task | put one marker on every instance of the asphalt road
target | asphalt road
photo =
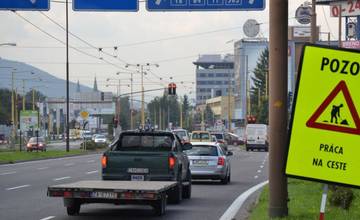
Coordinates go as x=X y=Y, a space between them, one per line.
x=23 y=190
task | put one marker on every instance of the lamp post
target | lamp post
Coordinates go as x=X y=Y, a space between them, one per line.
x=141 y=66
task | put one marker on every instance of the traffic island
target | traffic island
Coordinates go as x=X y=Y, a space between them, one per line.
x=304 y=204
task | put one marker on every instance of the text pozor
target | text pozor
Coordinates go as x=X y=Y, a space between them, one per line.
x=340 y=66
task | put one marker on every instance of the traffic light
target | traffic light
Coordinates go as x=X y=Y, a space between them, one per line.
x=172 y=89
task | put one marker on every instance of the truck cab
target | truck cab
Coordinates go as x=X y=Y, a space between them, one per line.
x=149 y=156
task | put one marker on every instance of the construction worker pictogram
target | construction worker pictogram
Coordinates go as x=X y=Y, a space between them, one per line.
x=336 y=121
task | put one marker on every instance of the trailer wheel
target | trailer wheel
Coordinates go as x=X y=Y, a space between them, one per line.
x=187 y=188
x=73 y=209
x=175 y=194
x=160 y=206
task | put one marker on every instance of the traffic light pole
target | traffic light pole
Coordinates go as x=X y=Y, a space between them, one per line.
x=278 y=107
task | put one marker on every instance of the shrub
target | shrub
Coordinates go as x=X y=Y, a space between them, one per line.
x=341 y=196
x=91 y=145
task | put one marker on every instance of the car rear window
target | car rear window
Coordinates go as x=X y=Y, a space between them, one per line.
x=33 y=140
x=100 y=136
x=140 y=142
x=200 y=136
x=219 y=136
x=203 y=150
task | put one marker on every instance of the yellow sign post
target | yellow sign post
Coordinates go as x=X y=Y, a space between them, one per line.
x=324 y=141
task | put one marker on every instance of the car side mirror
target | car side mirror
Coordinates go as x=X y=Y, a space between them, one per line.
x=229 y=153
x=187 y=146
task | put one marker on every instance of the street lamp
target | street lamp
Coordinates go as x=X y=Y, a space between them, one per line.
x=141 y=66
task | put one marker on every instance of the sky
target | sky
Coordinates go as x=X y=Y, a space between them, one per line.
x=173 y=40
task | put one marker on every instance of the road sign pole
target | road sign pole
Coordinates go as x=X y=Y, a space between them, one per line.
x=313 y=22
x=278 y=107
x=323 y=202
x=67 y=78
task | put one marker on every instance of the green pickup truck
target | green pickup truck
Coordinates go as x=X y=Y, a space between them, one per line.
x=149 y=156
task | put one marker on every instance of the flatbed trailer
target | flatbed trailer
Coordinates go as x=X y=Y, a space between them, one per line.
x=152 y=193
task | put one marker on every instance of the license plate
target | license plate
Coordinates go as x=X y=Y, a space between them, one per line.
x=137 y=178
x=138 y=170
x=104 y=195
x=200 y=163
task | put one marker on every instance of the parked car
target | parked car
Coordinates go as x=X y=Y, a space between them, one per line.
x=182 y=134
x=200 y=136
x=36 y=143
x=209 y=161
x=3 y=139
x=86 y=135
x=100 y=139
x=234 y=139
x=256 y=137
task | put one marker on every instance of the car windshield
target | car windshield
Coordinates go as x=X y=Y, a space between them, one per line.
x=145 y=142
x=33 y=140
x=100 y=136
x=180 y=134
x=202 y=150
x=200 y=136
x=219 y=136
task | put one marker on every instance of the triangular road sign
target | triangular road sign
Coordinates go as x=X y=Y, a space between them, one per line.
x=341 y=87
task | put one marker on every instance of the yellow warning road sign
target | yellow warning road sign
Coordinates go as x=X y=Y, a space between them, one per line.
x=84 y=115
x=324 y=140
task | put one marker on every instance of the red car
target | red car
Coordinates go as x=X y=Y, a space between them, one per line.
x=36 y=143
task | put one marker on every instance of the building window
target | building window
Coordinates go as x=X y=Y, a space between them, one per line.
x=210 y=82
x=202 y=74
x=219 y=83
x=210 y=75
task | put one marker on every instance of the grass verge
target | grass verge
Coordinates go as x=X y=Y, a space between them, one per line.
x=304 y=204
x=15 y=156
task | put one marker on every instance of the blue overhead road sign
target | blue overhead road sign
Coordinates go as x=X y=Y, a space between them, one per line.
x=205 y=5
x=105 y=5
x=25 y=5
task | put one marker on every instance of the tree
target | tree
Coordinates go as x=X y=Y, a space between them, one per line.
x=258 y=92
x=209 y=116
x=125 y=113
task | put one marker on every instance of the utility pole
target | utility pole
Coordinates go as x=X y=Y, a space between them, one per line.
x=24 y=96
x=142 y=97
x=181 y=115
x=313 y=37
x=278 y=47
x=229 y=104
x=132 y=104
x=12 y=109
x=160 y=121
x=33 y=99
x=67 y=79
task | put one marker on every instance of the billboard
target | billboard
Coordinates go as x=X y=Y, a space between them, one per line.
x=29 y=120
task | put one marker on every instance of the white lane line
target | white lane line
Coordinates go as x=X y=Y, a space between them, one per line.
x=48 y=218
x=259 y=171
x=91 y=172
x=239 y=201
x=17 y=187
x=69 y=164
x=261 y=166
x=90 y=161
x=7 y=173
x=255 y=177
x=42 y=168
x=62 y=178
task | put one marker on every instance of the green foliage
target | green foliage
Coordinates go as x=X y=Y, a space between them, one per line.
x=259 y=101
x=341 y=196
x=125 y=113
x=209 y=116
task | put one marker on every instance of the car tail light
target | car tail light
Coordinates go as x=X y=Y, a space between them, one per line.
x=221 y=161
x=104 y=161
x=41 y=145
x=68 y=194
x=172 y=162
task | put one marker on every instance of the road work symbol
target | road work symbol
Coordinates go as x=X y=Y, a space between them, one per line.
x=343 y=117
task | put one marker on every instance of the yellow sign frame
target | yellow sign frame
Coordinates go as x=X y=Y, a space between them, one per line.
x=324 y=136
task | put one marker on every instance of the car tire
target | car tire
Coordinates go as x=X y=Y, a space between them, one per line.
x=73 y=209
x=186 y=193
x=225 y=180
x=175 y=194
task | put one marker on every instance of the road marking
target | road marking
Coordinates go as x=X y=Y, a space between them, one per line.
x=42 y=168
x=255 y=177
x=69 y=164
x=239 y=201
x=91 y=161
x=261 y=166
x=259 y=171
x=7 y=173
x=17 y=187
x=91 y=172
x=47 y=218
x=62 y=178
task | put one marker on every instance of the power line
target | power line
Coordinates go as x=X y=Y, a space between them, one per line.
x=61 y=41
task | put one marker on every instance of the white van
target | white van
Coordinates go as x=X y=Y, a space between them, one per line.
x=256 y=137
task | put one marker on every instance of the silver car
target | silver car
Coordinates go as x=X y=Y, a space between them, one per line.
x=100 y=139
x=208 y=161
